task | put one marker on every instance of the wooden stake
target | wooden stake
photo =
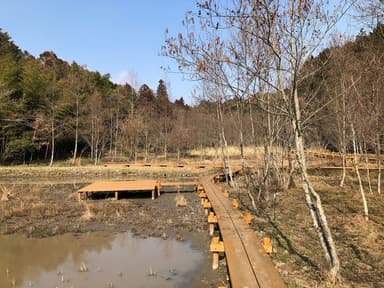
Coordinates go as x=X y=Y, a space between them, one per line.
x=211 y=229
x=216 y=247
x=248 y=218
x=215 y=261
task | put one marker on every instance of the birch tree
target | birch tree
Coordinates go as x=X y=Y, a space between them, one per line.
x=288 y=31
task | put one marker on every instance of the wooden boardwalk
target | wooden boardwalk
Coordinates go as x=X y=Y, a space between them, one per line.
x=119 y=187
x=248 y=264
x=165 y=187
x=141 y=186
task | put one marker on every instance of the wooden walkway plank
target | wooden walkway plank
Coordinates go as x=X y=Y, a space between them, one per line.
x=118 y=187
x=105 y=186
x=178 y=186
x=248 y=264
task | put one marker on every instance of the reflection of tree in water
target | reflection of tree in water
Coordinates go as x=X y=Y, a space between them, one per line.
x=26 y=257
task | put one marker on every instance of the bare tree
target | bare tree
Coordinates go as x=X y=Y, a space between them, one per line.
x=287 y=34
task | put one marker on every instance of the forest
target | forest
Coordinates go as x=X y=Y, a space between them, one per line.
x=51 y=109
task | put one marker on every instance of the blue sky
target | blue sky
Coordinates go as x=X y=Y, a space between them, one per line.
x=119 y=37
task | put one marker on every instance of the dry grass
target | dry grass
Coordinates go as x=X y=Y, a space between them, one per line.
x=88 y=214
x=180 y=200
x=6 y=192
x=359 y=243
x=234 y=152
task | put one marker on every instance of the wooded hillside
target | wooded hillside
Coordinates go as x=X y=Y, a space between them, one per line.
x=51 y=109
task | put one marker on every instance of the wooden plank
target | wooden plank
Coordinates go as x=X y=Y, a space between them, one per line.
x=116 y=186
x=178 y=186
x=248 y=264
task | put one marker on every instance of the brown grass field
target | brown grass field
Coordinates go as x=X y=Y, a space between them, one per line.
x=36 y=199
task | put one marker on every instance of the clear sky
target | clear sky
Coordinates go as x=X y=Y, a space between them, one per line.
x=119 y=37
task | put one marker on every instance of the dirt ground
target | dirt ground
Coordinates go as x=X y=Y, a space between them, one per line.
x=297 y=251
x=43 y=203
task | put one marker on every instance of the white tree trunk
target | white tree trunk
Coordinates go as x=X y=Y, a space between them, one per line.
x=312 y=198
x=52 y=142
x=367 y=168
x=243 y=164
x=343 y=143
x=76 y=132
x=356 y=166
x=224 y=146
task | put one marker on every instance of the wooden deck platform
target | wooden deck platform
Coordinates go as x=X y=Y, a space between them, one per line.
x=248 y=263
x=177 y=187
x=119 y=187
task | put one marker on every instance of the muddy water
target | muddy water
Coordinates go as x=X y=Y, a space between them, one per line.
x=97 y=260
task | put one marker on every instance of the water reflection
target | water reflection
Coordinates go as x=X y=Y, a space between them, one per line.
x=106 y=261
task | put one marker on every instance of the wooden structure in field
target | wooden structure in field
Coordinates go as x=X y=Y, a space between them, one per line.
x=155 y=188
x=119 y=187
x=248 y=262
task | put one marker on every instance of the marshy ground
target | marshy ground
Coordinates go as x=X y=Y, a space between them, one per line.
x=42 y=202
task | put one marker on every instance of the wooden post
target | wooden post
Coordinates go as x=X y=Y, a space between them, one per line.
x=216 y=247
x=153 y=194
x=207 y=206
x=211 y=229
x=116 y=195
x=212 y=220
x=248 y=218
x=215 y=260
x=267 y=244
x=158 y=188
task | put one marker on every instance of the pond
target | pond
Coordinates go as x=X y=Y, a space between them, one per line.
x=97 y=259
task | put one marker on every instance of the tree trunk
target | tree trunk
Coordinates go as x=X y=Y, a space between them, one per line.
x=378 y=163
x=367 y=168
x=111 y=134
x=146 y=146
x=255 y=151
x=76 y=132
x=116 y=133
x=243 y=164
x=52 y=142
x=291 y=169
x=356 y=166
x=312 y=198
x=92 y=139
x=343 y=143
x=224 y=146
x=165 y=140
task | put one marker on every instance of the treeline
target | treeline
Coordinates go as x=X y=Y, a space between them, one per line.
x=51 y=109
x=348 y=79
